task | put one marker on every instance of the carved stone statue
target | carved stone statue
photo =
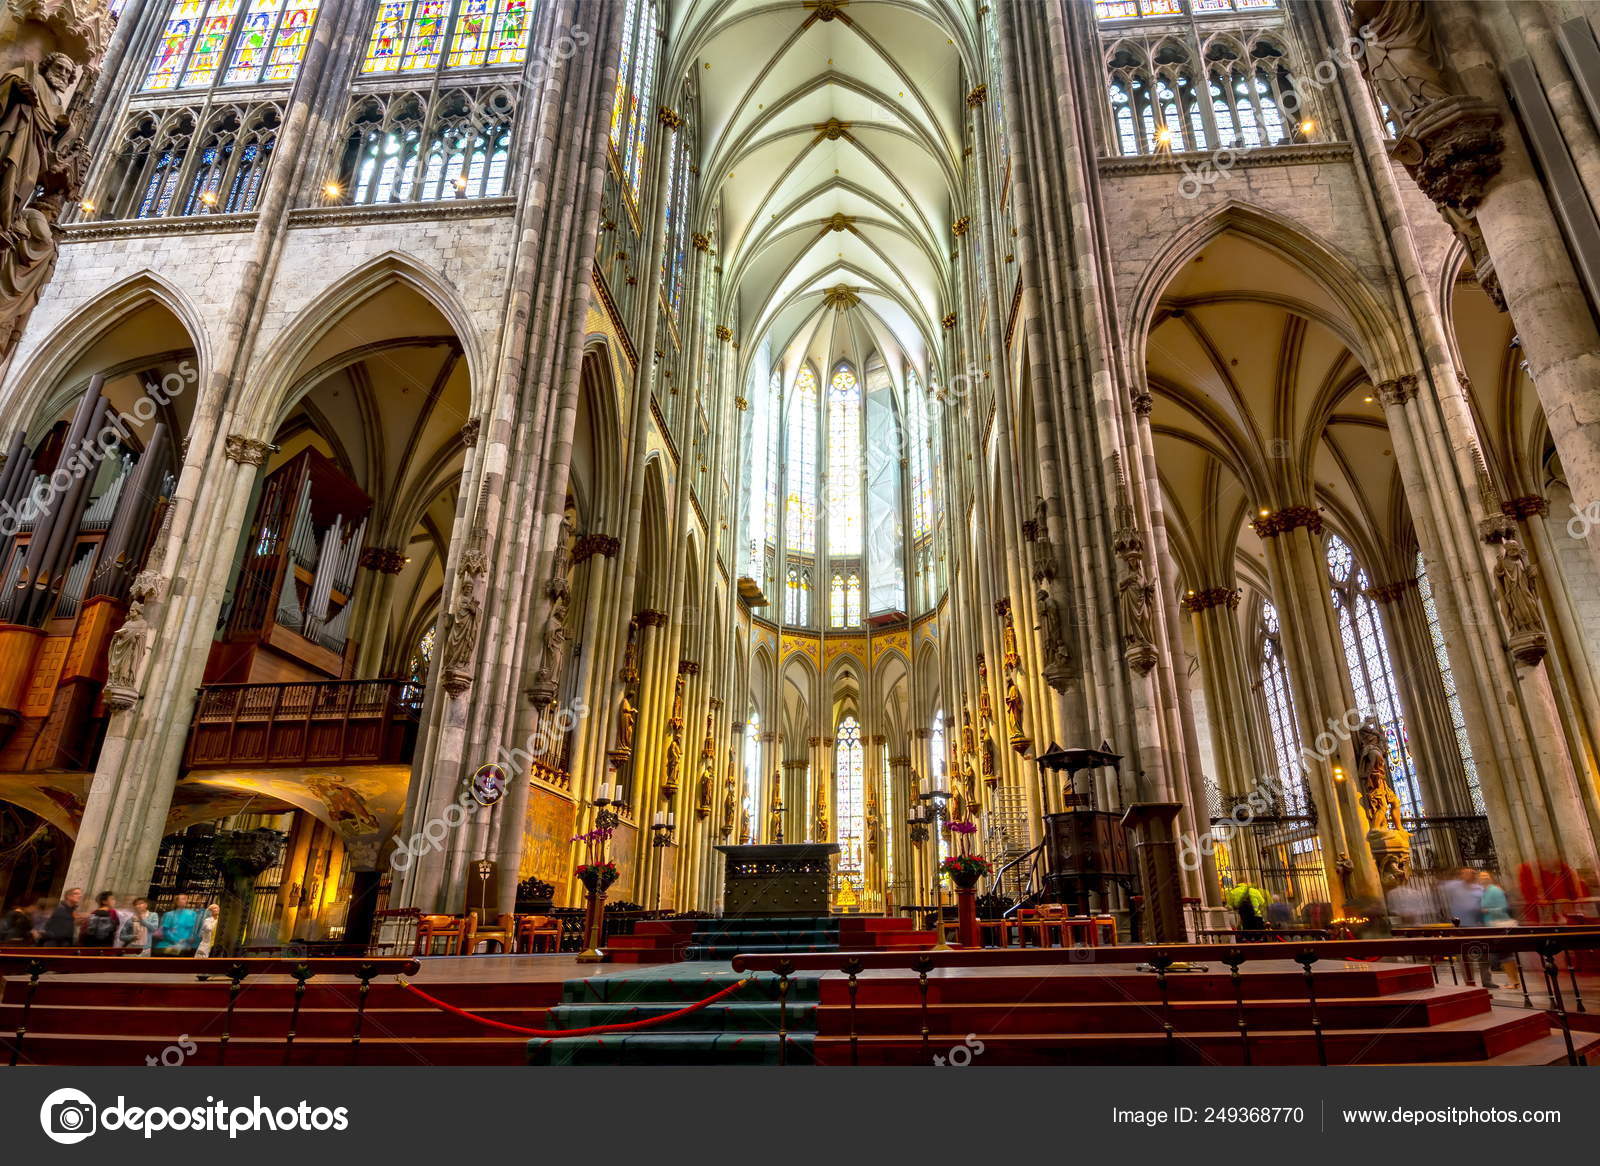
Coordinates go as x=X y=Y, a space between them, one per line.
x=1136 y=595
x=674 y=763
x=1517 y=582
x=822 y=814
x=730 y=805
x=1401 y=56
x=1014 y=708
x=561 y=562
x=626 y=716
x=555 y=640
x=1055 y=647
x=25 y=268
x=126 y=651
x=1372 y=764
x=462 y=637
x=34 y=129
x=702 y=796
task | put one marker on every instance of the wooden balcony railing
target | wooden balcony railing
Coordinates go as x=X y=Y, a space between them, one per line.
x=334 y=722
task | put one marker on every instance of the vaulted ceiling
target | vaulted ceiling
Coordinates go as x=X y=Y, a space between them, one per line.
x=831 y=134
x=1260 y=402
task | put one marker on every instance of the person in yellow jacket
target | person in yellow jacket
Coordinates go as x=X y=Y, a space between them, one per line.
x=1250 y=903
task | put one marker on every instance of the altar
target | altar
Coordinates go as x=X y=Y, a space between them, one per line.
x=778 y=879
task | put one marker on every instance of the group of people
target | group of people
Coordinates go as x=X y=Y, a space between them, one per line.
x=180 y=931
x=1472 y=898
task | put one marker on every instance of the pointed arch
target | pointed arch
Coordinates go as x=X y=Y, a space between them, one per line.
x=1374 y=335
x=278 y=379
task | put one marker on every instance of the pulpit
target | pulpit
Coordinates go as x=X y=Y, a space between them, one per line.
x=778 y=879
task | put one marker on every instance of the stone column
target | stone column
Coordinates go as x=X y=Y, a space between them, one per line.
x=1434 y=68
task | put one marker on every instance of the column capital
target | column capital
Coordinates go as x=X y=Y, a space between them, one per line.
x=1195 y=602
x=1526 y=506
x=470 y=431
x=384 y=560
x=236 y=447
x=1389 y=592
x=1398 y=391
x=1270 y=523
x=596 y=544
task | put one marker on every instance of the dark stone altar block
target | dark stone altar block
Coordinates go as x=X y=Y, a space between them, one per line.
x=785 y=879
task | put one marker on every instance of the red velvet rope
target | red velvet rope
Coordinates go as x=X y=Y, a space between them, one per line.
x=592 y=1031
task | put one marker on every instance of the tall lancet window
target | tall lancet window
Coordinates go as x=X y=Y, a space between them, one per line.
x=797 y=597
x=920 y=456
x=752 y=774
x=1275 y=691
x=800 y=506
x=764 y=472
x=680 y=202
x=938 y=766
x=1371 y=672
x=849 y=783
x=844 y=463
x=1447 y=678
x=630 y=112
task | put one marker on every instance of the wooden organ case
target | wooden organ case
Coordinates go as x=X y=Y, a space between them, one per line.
x=289 y=616
x=78 y=515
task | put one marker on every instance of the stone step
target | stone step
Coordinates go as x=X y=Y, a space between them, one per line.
x=740 y=1016
x=670 y=1049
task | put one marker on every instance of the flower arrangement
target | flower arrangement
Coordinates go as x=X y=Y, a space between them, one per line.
x=964 y=828
x=599 y=835
x=965 y=869
x=597 y=876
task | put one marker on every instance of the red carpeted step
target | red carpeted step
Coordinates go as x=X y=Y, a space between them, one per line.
x=180 y=992
x=161 y=1025
x=53 y=1049
x=1068 y=984
x=1419 y=1009
x=1472 y=1038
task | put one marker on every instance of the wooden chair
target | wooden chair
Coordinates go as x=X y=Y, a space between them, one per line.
x=451 y=930
x=538 y=933
x=502 y=932
x=396 y=930
x=1000 y=926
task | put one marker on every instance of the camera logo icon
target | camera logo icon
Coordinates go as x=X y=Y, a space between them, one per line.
x=68 y=1116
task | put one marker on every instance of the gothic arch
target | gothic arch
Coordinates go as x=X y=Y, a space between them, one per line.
x=1377 y=340
x=35 y=385
x=280 y=381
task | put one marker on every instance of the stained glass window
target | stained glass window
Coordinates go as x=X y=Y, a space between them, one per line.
x=752 y=774
x=836 y=601
x=1291 y=792
x=797 y=597
x=938 y=765
x=800 y=518
x=774 y=412
x=849 y=781
x=1168 y=9
x=844 y=463
x=630 y=110
x=921 y=475
x=1452 y=694
x=411 y=35
x=680 y=201
x=1367 y=660
x=262 y=41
